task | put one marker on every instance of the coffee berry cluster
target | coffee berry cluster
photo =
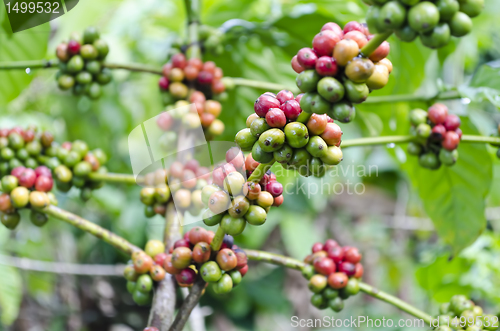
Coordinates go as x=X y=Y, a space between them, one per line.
x=438 y=135
x=280 y=131
x=193 y=255
x=25 y=188
x=181 y=74
x=233 y=201
x=335 y=75
x=462 y=314
x=181 y=114
x=184 y=184
x=145 y=268
x=69 y=163
x=333 y=272
x=434 y=21
x=81 y=64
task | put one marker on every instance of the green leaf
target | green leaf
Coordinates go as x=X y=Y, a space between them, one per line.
x=488 y=75
x=454 y=197
x=297 y=234
x=11 y=293
x=21 y=46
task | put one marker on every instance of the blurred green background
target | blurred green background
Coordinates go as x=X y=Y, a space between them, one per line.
x=424 y=235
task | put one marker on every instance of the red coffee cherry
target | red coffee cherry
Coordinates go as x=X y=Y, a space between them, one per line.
x=381 y=52
x=358 y=37
x=205 y=77
x=250 y=163
x=451 y=140
x=182 y=243
x=275 y=188
x=291 y=109
x=44 y=184
x=27 y=178
x=332 y=134
x=438 y=132
x=164 y=83
x=352 y=255
x=17 y=171
x=276 y=118
x=169 y=267
x=209 y=66
x=437 y=113
x=179 y=61
x=459 y=132
x=181 y=257
x=348 y=268
x=307 y=58
x=5 y=203
x=278 y=201
x=201 y=252
x=358 y=271
x=264 y=103
x=296 y=65
x=329 y=244
x=353 y=26
x=336 y=254
x=243 y=271
x=317 y=247
x=338 y=280
x=284 y=95
x=197 y=234
x=160 y=258
x=226 y=259
x=73 y=47
x=28 y=135
x=451 y=122
x=299 y=97
x=142 y=263
x=241 y=258
x=157 y=273
x=252 y=190
x=317 y=124
x=151 y=328
x=333 y=27
x=235 y=156
x=164 y=121
x=187 y=276
x=43 y=171
x=324 y=42
x=326 y=66
x=324 y=266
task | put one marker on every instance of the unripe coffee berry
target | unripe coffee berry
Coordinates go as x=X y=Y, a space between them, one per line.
x=226 y=259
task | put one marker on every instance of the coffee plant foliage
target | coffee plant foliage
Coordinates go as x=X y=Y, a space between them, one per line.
x=259 y=45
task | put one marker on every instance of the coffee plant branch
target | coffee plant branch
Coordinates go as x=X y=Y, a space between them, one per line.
x=367 y=289
x=54 y=63
x=92 y=228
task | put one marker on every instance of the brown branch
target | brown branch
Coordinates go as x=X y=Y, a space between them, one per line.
x=163 y=307
x=62 y=267
x=187 y=306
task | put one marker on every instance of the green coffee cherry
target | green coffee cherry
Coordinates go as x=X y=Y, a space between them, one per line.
x=392 y=15
x=447 y=157
x=336 y=304
x=423 y=17
x=255 y=215
x=210 y=272
x=224 y=285
x=258 y=126
x=284 y=154
x=259 y=155
x=318 y=301
x=429 y=160
x=440 y=36
x=10 y=221
x=330 y=89
x=414 y=148
x=297 y=134
x=317 y=147
x=418 y=116
x=471 y=7
x=406 y=34
x=356 y=92
x=447 y=8
x=319 y=105
x=305 y=102
x=232 y=226
x=75 y=64
x=460 y=24
x=307 y=80
x=90 y=35
x=271 y=140
x=343 y=112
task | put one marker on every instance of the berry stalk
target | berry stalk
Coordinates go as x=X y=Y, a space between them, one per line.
x=54 y=63
x=447 y=95
x=193 y=10
x=368 y=289
x=92 y=228
x=396 y=302
x=188 y=305
x=260 y=171
x=115 y=178
x=374 y=43
x=275 y=259
x=217 y=240
x=405 y=139
x=237 y=81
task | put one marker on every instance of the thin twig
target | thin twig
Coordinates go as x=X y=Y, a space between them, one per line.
x=188 y=305
x=62 y=267
x=92 y=228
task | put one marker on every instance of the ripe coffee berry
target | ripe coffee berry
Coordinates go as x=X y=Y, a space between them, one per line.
x=333 y=273
x=437 y=136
